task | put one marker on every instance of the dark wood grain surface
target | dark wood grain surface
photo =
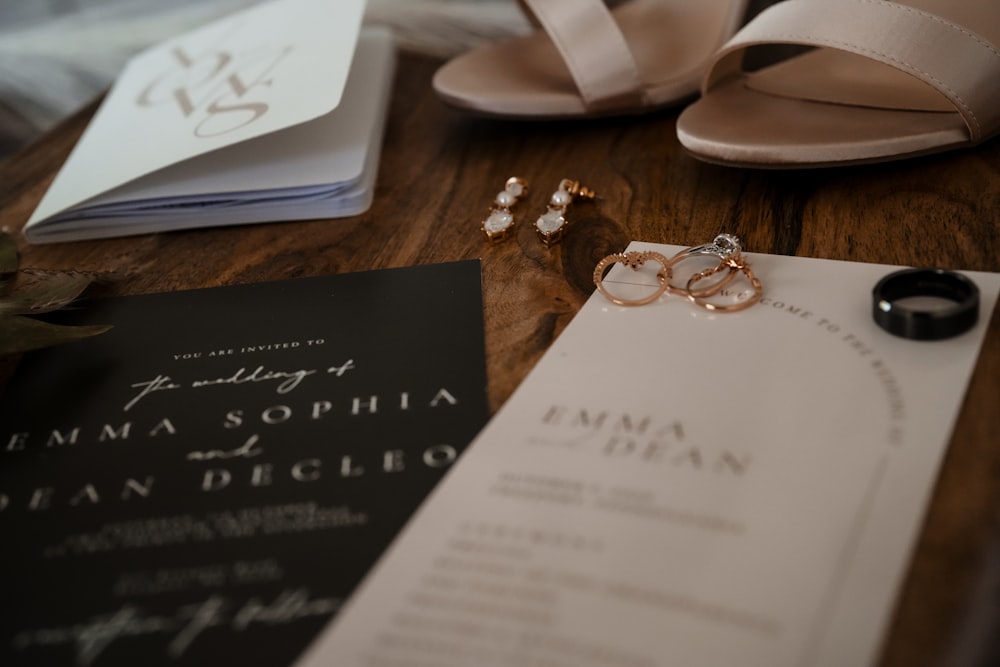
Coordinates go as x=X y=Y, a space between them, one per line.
x=439 y=172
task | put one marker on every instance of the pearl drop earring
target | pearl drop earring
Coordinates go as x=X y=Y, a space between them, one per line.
x=551 y=226
x=500 y=221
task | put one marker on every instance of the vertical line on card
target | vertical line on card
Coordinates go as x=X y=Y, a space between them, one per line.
x=844 y=562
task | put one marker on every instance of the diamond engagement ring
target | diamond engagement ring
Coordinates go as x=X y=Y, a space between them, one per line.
x=724 y=247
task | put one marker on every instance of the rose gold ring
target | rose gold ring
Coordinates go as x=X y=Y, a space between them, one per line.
x=723 y=246
x=633 y=260
x=734 y=266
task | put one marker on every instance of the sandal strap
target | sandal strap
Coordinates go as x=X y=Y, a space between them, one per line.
x=593 y=47
x=955 y=61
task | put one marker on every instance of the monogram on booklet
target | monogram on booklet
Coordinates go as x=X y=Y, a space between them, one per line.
x=274 y=113
x=211 y=478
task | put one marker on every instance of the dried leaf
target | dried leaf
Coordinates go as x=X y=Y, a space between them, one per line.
x=20 y=334
x=8 y=261
x=43 y=292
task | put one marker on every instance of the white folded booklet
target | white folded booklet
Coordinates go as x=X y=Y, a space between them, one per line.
x=671 y=486
x=274 y=113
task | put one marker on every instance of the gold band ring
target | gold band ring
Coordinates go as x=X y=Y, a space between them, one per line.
x=735 y=266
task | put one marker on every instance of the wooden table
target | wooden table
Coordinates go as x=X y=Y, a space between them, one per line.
x=439 y=172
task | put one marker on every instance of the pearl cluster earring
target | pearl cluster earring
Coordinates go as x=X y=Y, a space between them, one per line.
x=551 y=226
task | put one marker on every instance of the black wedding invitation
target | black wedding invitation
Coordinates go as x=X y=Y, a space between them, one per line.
x=208 y=481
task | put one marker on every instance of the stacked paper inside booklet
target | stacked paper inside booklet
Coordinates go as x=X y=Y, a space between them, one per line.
x=672 y=486
x=274 y=113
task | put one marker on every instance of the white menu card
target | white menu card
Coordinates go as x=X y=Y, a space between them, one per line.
x=671 y=486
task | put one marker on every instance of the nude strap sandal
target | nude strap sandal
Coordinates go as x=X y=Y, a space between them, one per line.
x=889 y=80
x=589 y=60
